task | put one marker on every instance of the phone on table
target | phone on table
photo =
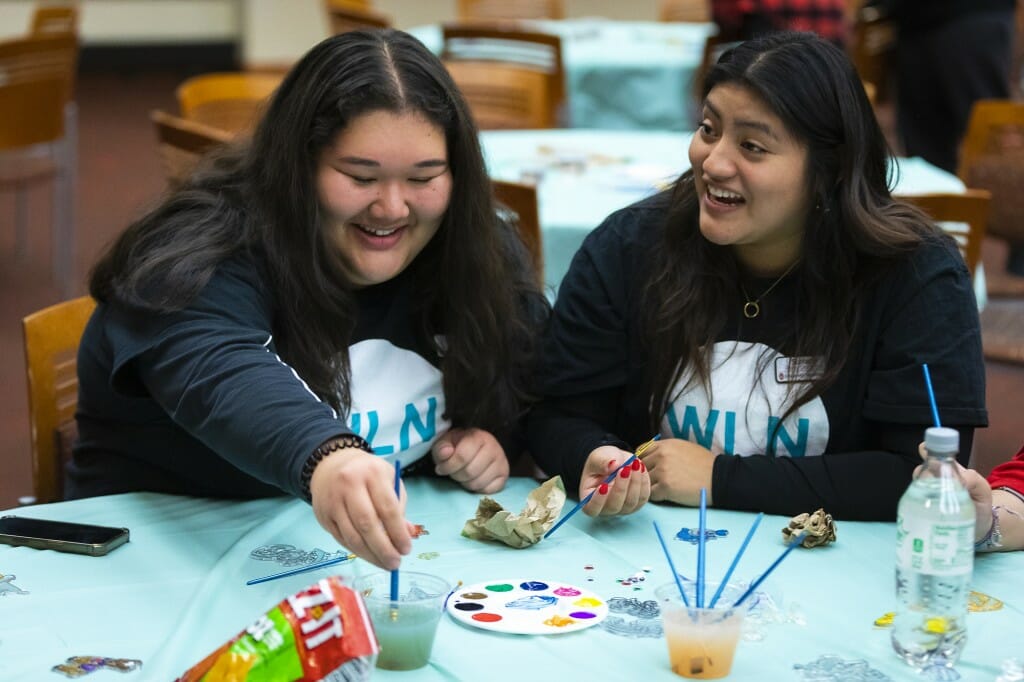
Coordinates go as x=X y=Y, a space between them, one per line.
x=62 y=536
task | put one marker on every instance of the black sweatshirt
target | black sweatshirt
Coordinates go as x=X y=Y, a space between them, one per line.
x=850 y=450
x=198 y=402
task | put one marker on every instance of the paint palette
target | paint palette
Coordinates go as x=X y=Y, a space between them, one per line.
x=527 y=607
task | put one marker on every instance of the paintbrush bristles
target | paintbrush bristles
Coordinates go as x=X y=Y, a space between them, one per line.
x=640 y=451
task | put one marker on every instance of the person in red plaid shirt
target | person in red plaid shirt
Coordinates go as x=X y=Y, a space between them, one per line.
x=743 y=19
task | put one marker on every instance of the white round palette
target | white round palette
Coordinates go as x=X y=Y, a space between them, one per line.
x=527 y=607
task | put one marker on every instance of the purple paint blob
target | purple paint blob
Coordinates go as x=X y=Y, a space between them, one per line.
x=582 y=615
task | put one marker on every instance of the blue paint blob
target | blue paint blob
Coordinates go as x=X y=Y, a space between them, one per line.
x=532 y=603
x=533 y=586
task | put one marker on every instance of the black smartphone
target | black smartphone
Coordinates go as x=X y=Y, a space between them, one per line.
x=78 y=538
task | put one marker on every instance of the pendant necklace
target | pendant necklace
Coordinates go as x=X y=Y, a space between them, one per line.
x=752 y=308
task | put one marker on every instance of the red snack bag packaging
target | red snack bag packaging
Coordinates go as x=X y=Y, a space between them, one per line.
x=320 y=633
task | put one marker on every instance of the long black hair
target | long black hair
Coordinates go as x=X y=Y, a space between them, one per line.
x=852 y=233
x=473 y=281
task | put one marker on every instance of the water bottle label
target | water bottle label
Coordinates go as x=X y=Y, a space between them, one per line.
x=935 y=548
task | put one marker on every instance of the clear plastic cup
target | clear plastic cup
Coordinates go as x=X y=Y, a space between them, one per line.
x=405 y=628
x=701 y=642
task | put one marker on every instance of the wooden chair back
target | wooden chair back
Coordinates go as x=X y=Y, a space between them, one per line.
x=871 y=47
x=343 y=17
x=36 y=74
x=963 y=216
x=992 y=158
x=37 y=138
x=472 y=10
x=521 y=202
x=511 y=78
x=232 y=101
x=182 y=143
x=51 y=347
x=53 y=19
x=693 y=11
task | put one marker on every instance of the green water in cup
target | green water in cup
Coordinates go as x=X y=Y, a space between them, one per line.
x=405 y=628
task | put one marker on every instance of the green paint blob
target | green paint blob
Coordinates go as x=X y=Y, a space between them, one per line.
x=503 y=587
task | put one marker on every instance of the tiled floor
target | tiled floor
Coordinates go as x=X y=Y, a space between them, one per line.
x=119 y=175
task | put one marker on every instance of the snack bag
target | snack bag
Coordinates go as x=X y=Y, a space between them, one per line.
x=321 y=633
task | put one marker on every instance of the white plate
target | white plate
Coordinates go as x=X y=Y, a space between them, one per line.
x=527 y=607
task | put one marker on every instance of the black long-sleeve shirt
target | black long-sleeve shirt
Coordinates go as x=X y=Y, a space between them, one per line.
x=199 y=402
x=850 y=450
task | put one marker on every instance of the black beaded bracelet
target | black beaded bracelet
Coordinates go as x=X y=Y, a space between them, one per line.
x=333 y=445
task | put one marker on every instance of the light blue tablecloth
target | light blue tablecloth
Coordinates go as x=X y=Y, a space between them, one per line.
x=584 y=175
x=177 y=591
x=621 y=75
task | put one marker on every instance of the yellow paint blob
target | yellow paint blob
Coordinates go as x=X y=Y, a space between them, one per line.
x=587 y=601
x=558 y=621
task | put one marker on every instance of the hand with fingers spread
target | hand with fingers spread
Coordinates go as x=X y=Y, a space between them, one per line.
x=679 y=469
x=354 y=500
x=473 y=457
x=629 y=491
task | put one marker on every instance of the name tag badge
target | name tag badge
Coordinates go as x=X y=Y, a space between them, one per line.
x=796 y=370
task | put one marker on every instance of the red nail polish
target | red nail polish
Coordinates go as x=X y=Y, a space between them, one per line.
x=636 y=465
x=603 y=489
x=643 y=467
x=624 y=473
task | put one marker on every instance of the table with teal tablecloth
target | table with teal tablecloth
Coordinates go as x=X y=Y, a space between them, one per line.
x=621 y=74
x=584 y=175
x=177 y=590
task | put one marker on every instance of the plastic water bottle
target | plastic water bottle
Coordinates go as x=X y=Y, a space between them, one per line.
x=934 y=559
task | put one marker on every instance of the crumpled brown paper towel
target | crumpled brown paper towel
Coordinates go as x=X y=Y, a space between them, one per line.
x=493 y=522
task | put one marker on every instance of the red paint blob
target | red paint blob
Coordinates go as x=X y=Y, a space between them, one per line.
x=486 y=617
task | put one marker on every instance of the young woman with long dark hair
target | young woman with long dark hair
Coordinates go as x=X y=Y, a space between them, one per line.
x=768 y=315
x=312 y=305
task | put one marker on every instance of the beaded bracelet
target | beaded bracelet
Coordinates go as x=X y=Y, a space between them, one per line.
x=333 y=445
x=992 y=539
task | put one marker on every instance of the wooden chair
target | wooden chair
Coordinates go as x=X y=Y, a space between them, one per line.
x=50 y=19
x=343 y=17
x=51 y=347
x=992 y=158
x=36 y=143
x=472 y=10
x=871 y=46
x=693 y=11
x=232 y=101
x=963 y=216
x=511 y=78
x=521 y=202
x=182 y=143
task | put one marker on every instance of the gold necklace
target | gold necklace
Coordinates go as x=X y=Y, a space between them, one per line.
x=752 y=308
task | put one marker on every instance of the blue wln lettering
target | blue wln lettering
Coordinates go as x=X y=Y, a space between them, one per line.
x=693 y=429
x=424 y=423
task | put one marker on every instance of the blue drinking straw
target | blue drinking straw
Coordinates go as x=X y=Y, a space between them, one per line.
x=702 y=525
x=931 y=394
x=735 y=561
x=301 y=569
x=394 y=573
x=671 y=565
x=608 y=479
x=793 y=543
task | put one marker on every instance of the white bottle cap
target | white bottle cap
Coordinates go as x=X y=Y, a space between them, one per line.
x=941 y=439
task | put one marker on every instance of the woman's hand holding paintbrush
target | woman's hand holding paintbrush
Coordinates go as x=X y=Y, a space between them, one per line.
x=627 y=492
x=354 y=499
